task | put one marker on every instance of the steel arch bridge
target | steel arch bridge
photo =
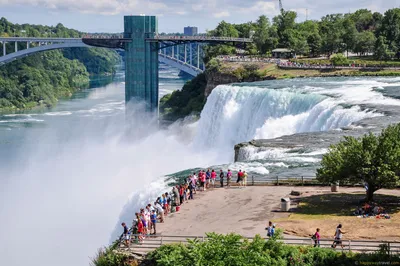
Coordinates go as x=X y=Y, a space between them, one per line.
x=35 y=45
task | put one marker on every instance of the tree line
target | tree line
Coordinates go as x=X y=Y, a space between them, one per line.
x=362 y=32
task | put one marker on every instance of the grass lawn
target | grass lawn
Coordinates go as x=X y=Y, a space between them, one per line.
x=326 y=211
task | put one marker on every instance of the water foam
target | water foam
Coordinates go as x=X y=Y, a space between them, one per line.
x=236 y=114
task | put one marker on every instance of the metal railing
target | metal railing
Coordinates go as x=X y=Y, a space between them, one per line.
x=153 y=242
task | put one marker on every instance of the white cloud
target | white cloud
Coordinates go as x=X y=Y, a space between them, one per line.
x=261 y=7
x=221 y=14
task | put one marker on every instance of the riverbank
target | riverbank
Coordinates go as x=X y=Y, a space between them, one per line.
x=247 y=211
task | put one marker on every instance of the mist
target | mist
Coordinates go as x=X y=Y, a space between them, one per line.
x=64 y=194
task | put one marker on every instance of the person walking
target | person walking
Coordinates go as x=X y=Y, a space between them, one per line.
x=239 y=178
x=316 y=237
x=221 y=178
x=270 y=229
x=244 y=178
x=126 y=235
x=338 y=237
x=228 y=178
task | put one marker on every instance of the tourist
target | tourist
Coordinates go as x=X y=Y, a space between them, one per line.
x=175 y=191
x=160 y=211
x=228 y=178
x=144 y=222
x=153 y=221
x=141 y=230
x=202 y=177
x=164 y=204
x=181 y=191
x=125 y=234
x=239 y=178
x=168 y=204
x=147 y=213
x=244 y=178
x=191 y=189
x=221 y=178
x=338 y=237
x=194 y=181
x=316 y=238
x=208 y=177
x=213 y=177
x=270 y=229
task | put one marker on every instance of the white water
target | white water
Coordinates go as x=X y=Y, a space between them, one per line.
x=235 y=114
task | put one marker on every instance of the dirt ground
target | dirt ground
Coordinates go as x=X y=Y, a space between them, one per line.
x=247 y=211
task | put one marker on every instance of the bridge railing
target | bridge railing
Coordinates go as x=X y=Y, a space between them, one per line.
x=153 y=242
x=200 y=38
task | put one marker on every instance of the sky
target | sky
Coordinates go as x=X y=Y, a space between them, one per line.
x=173 y=15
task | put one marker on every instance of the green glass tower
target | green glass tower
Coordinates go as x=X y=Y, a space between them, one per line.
x=141 y=61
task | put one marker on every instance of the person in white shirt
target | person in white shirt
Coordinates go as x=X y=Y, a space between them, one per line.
x=338 y=237
x=160 y=211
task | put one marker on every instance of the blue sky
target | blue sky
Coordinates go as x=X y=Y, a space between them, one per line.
x=107 y=15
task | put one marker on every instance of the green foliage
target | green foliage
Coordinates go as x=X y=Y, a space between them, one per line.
x=382 y=51
x=189 y=100
x=339 y=60
x=107 y=257
x=96 y=60
x=372 y=159
x=40 y=79
x=234 y=250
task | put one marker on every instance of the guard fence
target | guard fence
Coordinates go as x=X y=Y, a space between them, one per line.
x=367 y=246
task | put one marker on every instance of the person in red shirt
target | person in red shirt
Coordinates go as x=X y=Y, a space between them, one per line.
x=316 y=238
x=213 y=177
x=140 y=230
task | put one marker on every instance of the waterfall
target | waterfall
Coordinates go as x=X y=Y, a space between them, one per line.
x=235 y=114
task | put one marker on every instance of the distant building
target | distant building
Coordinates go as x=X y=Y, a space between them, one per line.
x=190 y=31
x=283 y=53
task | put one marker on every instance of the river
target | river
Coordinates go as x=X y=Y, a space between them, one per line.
x=70 y=175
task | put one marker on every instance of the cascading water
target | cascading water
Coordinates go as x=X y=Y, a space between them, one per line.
x=235 y=114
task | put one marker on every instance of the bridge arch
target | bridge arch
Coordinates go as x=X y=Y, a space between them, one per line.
x=72 y=43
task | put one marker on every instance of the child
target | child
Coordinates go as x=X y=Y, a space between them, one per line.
x=270 y=229
x=316 y=238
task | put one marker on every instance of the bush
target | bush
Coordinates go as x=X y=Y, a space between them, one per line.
x=234 y=250
x=107 y=257
x=339 y=60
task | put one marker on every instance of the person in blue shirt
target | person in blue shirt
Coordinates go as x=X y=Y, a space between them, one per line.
x=270 y=229
x=153 y=218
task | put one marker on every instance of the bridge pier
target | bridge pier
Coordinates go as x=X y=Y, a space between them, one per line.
x=4 y=48
x=27 y=45
x=16 y=46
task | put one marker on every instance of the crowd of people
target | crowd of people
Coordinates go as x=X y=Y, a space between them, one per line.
x=145 y=221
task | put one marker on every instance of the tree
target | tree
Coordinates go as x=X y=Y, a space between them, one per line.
x=349 y=34
x=365 y=42
x=371 y=159
x=331 y=28
x=285 y=24
x=363 y=19
x=382 y=51
x=261 y=34
x=390 y=28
